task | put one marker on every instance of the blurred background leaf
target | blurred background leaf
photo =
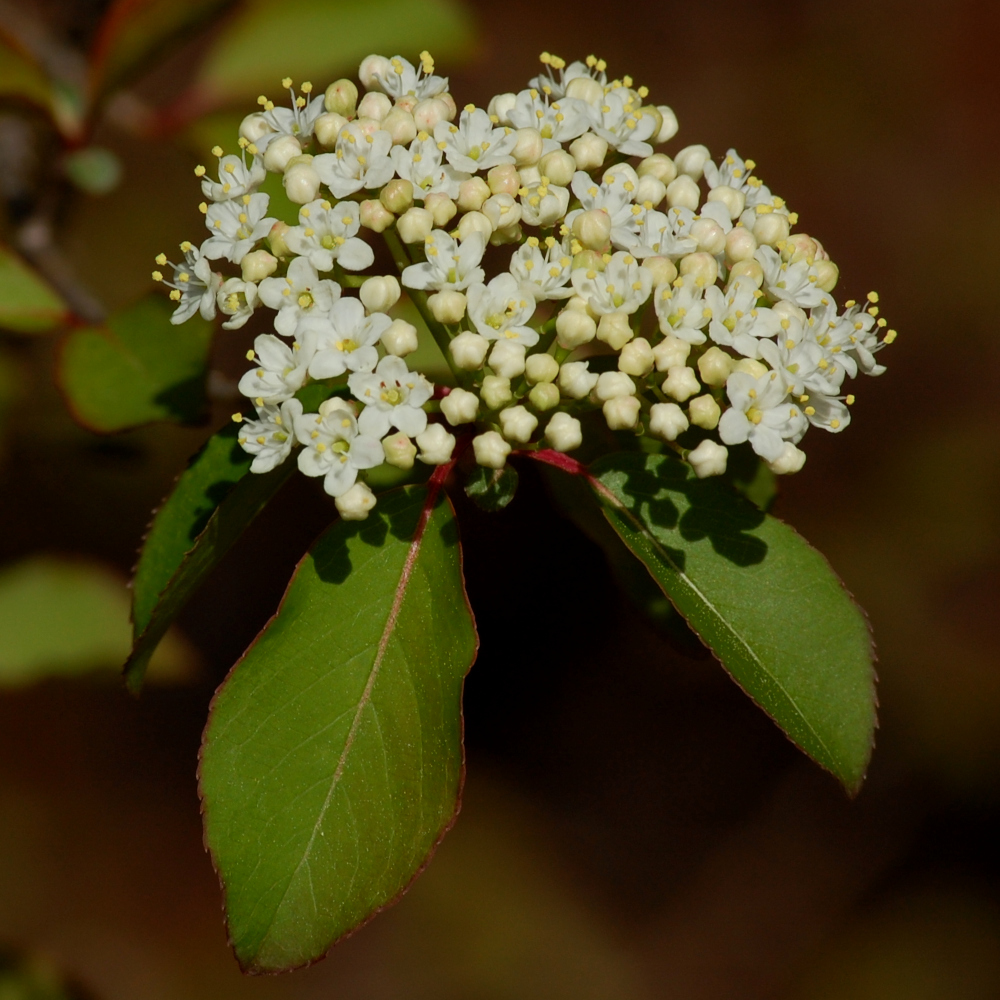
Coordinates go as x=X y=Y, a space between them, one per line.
x=27 y=303
x=20 y=77
x=28 y=977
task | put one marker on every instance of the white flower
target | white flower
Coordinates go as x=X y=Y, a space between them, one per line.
x=681 y=309
x=270 y=437
x=501 y=310
x=235 y=178
x=194 y=284
x=545 y=276
x=328 y=233
x=800 y=360
x=297 y=120
x=236 y=299
x=449 y=264
x=280 y=371
x=736 y=321
x=554 y=86
x=359 y=160
x=620 y=121
x=828 y=412
x=622 y=286
x=733 y=172
x=851 y=340
x=346 y=339
x=335 y=449
x=615 y=195
x=236 y=226
x=475 y=143
x=402 y=79
x=558 y=122
x=300 y=295
x=795 y=282
x=393 y=397
x=422 y=164
x=761 y=414
x=542 y=203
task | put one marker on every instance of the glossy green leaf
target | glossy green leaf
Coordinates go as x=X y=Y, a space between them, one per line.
x=332 y=760
x=759 y=595
x=137 y=369
x=27 y=303
x=492 y=489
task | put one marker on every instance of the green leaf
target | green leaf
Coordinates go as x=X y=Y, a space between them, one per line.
x=332 y=760
x=492 y=489
x=136 y=369
x=27 y=303
x=765 y=601
x=214 y=501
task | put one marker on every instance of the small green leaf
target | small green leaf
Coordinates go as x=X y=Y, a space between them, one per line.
x=332 y=760
x=765 y=602
x=27 y=303
x=136 y=369
x=492 y=489
x=215 y=500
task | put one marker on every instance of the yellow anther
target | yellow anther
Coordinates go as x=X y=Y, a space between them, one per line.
x=203 y=208
x=199 y=171
x=216 y=151
x=250 y=355
x=890 y=337
x=157 y=276
x=849 y=400
x=834 y=424
x=175 y=295
x=161 y=259
x=306 y=88
x=872 y=297
x=286 y=82
x=237 y=418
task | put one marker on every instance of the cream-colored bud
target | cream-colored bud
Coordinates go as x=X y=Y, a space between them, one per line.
x=441 y=207
x=447 y=306
x=491 y=450
x=530 y=175
x=563 y=432
x=704 y=412
x=518 y=424
x=400 y=126
x=368 y=126
x=733 y=200
x=667 y=420
x=585 y=88
x=771 y=228
x=610 y=385
x=668 y=125
x=474 y=222
x=468 y=351
x=397 y=195
x=588 y=151
x=375 y=216
x=544 y=396
x=406 y=103
x=472 y=193
x=496 y=391
x=827 y=274
x=636 y=357
x=660 y=166
x=379 y=294
x=276 y=239
x=436 y=445
x=711 y=239
x=503 y=179
x=355 y=504
x=502 y=211
x=400 y=338
x=374 y=105
x=575 y=380
x=501 y=106
x=559 y=166
x=615 y=330
x=254 y=127
x=341 y=98
x=507 y=359
x=708 y=459
x=593 y=229
x=579 y=304
x=653 y=112
x=280 y=151
x=460 y=407
x=399 y=451
x=671 y=352
x=428 y=112
x=790 y=460
x=540 y=368
x=415 y=225
x=450 y=105
x=741 y=244
x=258 y=265
x=691 y=160
x=682 y=192
x=575 y=327
x=528 y=149
x=702 y=266
x=589 y=260
x=681 y=383
x=664 y=270
x=714 y=366
x=327 y=128
x=301 y=183
x=650 y=190
x=749 y=269
x=798 y=246
x=750 y=366
x=622 y=413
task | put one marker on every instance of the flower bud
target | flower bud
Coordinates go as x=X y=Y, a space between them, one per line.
x=610 y=385
x=436 y=445
x=593 y=229
x=789 y=310
x=468 y=351
x=518 y=424
x=770 y=228
x=708 y=459
x=663 y=268
x=585 y=88
x=790 y=460
x=798 y=246
x=399 y=451
x=714 y=366
x=589 y=260
x=680 y=383
x=667 y=420
x=711 y=239
x=375 y=216
x=501 y=106
x=741 y=244
x=460 y=407
x=588 y=151
x=682 y=192
x=280 y=151
x=574 y=327
x=702 y=266
x=372 y=67
x=652 y=112
x=341 y=97
x=450 y=105
x=496 y=391
x=636 y=357
x=827 y=274
x=447 y=306
x=397 y=196
x=503 y=179
x=558 y=166
x=529 y=175
x=704 y=412
x=415 y=225
x=668 y=126
x=671 y=352
x=327 y=128
x=528 y=149
x=258 y=265
x=441 y=207
x=406 y=103
x=734 y=200
x=615 y=330
x=379 y=294
x=622 y=413
x=750 y=366
x=502 y=211
x=472 y=193
x=276 y=239
x=691 y=160
x=541 y=368
x=400 y=338
x=660 y=166
x=575 y=380
x=563 y=432
x=355 y=503
x=474 y=222
x=747 y=269
x=428 y=112
x=374 y=105
x=254 y=127
x=650 y=190
x=491 y=450
x=507 y=359
x=368 y=126
x=544 y=396
x=301 y=183
x=400 y=126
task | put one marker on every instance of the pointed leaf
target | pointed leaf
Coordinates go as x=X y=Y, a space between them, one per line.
x=27 y=303
x=765 y=602
x=332 y=760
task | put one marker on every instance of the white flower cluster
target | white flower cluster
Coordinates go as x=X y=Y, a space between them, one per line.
x=744 y=341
